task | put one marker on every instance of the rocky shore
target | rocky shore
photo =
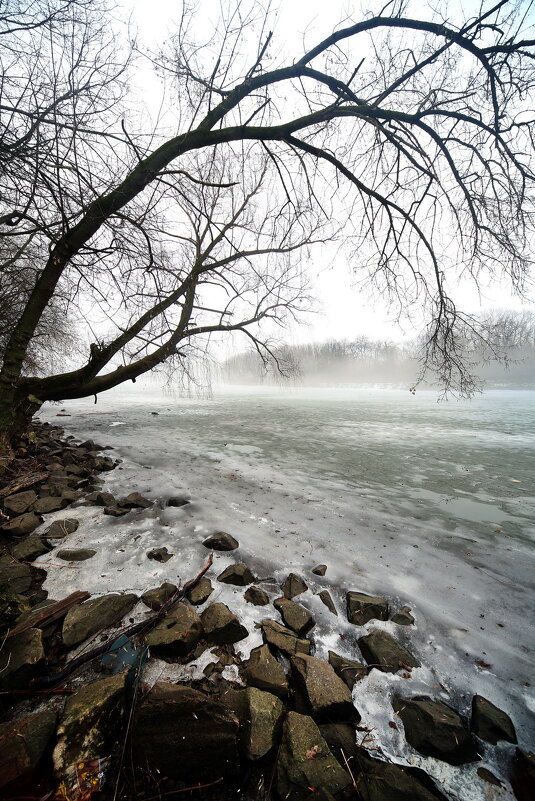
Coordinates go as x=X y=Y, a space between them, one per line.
x=79 y=717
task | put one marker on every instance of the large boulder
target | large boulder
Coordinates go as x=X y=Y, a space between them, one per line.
x=326 y=598
x=382 y=651
x=256 y=596
x=304 y=759
x=403 y=617
x=28 y=549
x=362 y=608
x=84 y=620
x=200 y=592
x=15 y=577
x=295 y=616
x=20 y=502
x=23 y=742
x=327 y=696
x=60 y=528
x=51 y=503
x=293 y=585
x=156 y=598
x=263 y=722
x=523 y=774
x=221 y=625
x=435 y=729
x=491 y=723
x=238 y=574
x=284 y=639
x=21 y=525
x=21 y=658
x=134 y=501
x=12 y=605
x=75 y=554
x=262 y=670
x=177 y=634
x=90 y=722
x=221 y=541
x=348 y=670
x=386 y=781
x=184 y=734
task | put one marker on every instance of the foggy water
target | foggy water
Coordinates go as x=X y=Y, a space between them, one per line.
x=430 y=504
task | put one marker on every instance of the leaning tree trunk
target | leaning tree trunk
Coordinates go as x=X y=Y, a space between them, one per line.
x=16 y=412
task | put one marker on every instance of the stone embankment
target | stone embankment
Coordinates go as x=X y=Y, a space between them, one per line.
x=286 y=725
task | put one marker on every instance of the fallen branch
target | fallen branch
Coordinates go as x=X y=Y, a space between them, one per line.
x=50 y=613
x=22 y=484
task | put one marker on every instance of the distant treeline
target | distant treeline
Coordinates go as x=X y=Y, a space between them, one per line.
x=509 y=335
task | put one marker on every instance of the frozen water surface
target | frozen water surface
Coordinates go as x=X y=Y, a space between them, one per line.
x=431 y=504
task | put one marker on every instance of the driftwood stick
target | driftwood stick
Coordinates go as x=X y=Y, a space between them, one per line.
x=22 y=483
x=129 y=631
x=50 y=613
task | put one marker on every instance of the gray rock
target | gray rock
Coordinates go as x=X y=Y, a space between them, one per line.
x=14 y=576
x=304 y=759
x=60 y=528
x=486 y=776
x=348 y=670
x=256 y=596
x=135 y=501
x=263 y=723
x=221 y=625
x=362 y=608
x=386 y=781
x=238 y=574
x=21 y=659
x=101 y=499
x=403 y=617
x=12 y=605
x=177 y=500
x=328 y=697
x=293 y=585
x=319 y=570
x=325 y=597
x=262 y=670
x=115 y=511
x=296 y=617
x=221 y=542
x=75 y=554
x=523 y=774
x=200 y=593
x=44 y=506
x=103 y=463
x=21 y=525
x=20 y=502
x=177 y=634
x=90 y=722
x=160 y=554
x=382 y=651
x=284 y=639
x=84 y=620
x=207 y=753
x=156 y=598
x=28 y=549
x=436 y=730
x=24 y=741
x=491 y=723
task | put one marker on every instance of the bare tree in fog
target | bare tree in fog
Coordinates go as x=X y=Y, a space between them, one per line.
x=414 y=135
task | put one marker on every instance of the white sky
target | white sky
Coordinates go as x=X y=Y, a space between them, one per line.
x=344 y=309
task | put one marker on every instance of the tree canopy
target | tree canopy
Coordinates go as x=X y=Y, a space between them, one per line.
x=409 y=138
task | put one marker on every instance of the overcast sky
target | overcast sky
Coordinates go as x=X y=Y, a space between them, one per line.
x=345 y=310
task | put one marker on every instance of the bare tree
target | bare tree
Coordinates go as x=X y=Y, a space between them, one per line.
x=414 y=135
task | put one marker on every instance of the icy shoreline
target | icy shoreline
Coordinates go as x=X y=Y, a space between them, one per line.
x=230 y=490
